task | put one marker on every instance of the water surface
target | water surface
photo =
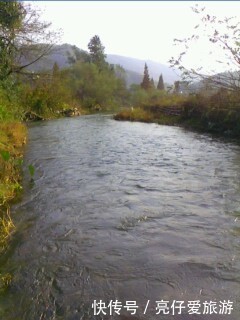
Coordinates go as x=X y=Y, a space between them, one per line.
x=124 y=211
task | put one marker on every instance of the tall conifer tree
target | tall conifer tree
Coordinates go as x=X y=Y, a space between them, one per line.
x=96 y=50
x=160 y=85
x=146 y=82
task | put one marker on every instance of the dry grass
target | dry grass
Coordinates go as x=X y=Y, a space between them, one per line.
x=218 y=114
x=6 y=226
x=12 y=138
x=147 y=115
x=136 y=114
x=5 y=281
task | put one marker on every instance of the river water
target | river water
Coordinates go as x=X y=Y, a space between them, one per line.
x=132 y=212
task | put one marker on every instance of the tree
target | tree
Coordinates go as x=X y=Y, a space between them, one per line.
x=160 y=85
x=24 y=39
x=77 y=54
x=92 y=88
x=55 y=71
x=96 y=50
x=10 y=19
x=223 y=35
x=176 y=88
x=146 y=82
x=138 y=97
x=152 y=83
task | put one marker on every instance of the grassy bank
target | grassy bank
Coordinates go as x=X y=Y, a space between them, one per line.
x=194 y=112
x=12 y=139
x=141 y=115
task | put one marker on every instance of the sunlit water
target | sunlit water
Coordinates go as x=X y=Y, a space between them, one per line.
x=124 y=211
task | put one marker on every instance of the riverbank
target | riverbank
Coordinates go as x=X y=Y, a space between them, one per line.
x=141 y=115
x=220 y=121
x=12 y=138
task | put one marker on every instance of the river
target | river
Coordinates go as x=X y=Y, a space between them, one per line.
x=138 y=213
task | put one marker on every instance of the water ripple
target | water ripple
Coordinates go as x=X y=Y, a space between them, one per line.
x=124 y=211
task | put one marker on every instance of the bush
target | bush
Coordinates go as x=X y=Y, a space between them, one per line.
x=12 y=137
x=136 y=114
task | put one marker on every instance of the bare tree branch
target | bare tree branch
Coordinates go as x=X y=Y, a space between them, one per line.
x=24 y=38
x=224 y=33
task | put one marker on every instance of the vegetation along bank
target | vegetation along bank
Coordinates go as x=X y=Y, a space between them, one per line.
x=214 y=114
x=88 y=84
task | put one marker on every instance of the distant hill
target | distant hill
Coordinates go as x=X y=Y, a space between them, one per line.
x=132 y=77
x=58 y=54
x=137 y=66
x=133 y=67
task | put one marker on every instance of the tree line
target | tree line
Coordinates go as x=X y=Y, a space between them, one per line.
x=148 y=83
x=89 y=82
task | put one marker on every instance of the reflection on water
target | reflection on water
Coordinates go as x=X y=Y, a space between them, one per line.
x=125 y=211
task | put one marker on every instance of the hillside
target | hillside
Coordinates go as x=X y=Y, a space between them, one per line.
x=133 y=67
x=137 y=66
x=59 y=55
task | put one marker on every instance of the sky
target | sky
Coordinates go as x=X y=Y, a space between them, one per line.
x=138 y=29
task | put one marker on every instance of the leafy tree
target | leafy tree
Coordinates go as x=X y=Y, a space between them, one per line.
x=24 y=39
x=96 y=50
x=57 y=93
x=47 y=96
x=55 y=71
x=223 y=34
x=138 y=96
x=146 y=82
x=119 y=71
x=121 y=92
x=91 y=87
x=160 y=85
x=11 y=17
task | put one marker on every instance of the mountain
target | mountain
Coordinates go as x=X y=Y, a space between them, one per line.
x=132 y=77
x=137 y=66
x=133 y=67
x=58 y=54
